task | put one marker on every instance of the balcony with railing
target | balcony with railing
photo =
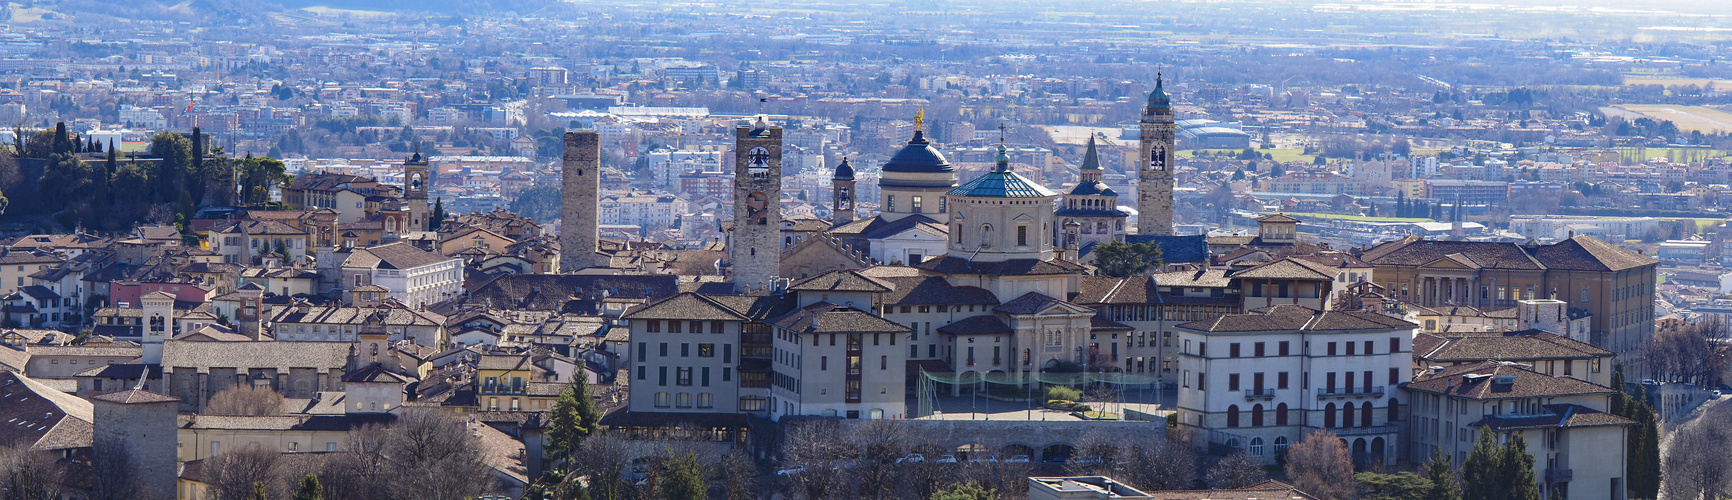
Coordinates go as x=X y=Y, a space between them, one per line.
x=1259 y=393
x=1350 y=392
x=1554 y=475
x=500 y=388
x=1365 y=431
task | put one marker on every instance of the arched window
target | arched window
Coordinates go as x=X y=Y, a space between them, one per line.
x=1257 y=415
x=1394 y=411
x=1365 y=414
x=1329 y=416
x=1256 y=447
x=1347 y=414
x=1281 y=414
x=1233 y=443
x=1232 y=415
x=1280 y=445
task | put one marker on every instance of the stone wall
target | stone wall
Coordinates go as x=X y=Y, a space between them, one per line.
x=580 y=185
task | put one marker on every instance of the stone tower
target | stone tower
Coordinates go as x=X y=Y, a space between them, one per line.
x=158 y=324
x=579 y=233
x=415 y=183
x=756 y=244
x=842 y=194
x=134 y=440
x=1091 y=207
x=1155 y=175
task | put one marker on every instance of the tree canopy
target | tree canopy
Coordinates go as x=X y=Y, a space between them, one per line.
x=1120 y=259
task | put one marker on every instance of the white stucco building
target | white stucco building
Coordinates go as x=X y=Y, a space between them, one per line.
x=412 y=276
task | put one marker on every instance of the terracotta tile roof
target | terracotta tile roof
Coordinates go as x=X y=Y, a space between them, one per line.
x=1295 y=318
x=1481 y=381
x=933 y=290
x=1417 y=252
x=133 y=397
x=1508 y=346
x=824 y=317
x=1102 y=324
x=393 y=256
x=1564 y=415
x=1288 y=268
x=40 y=417
x=1587 y=253
x=841 y=281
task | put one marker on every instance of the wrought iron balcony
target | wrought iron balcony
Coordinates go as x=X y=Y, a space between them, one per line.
x=1350 y=392
x=1559 y=475
x=1259 y=393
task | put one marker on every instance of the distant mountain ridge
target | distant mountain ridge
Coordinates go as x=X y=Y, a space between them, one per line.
x=438 y=6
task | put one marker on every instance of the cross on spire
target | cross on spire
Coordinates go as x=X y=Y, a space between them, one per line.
x=1001 y=133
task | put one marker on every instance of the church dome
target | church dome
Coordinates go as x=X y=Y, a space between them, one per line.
x=1158 y=98
x=919 y=157
x=1002 y=183
x=844 y=172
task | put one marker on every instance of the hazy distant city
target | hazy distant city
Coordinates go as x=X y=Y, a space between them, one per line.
x=545 y=250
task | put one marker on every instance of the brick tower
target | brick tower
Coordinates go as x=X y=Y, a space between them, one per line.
x=1155 y=176
x=756 y=244
x=579 y=233
x=415 y=183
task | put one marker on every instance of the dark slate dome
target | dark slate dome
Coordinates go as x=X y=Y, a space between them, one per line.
x=1158 y=98
x=919 y=157
x=844 y=172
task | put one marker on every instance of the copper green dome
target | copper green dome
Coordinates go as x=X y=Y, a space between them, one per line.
x=1158 y=98
x=844 y=172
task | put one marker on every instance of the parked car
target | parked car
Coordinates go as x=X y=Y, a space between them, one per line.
x=1714 y=394
x=1018 y=459
x=988 y=459
x=912 y=458
x=791 y=470
x=946 y=459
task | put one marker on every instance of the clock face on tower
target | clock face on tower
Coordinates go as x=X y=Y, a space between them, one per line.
x=1158 y=159
x=758 y=162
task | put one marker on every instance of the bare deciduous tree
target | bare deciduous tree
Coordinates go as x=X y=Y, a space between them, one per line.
x=814 y=446
x=1163 y=463
x=245 y=400
x=879 y=443
x=1321 y=466
x=233 y=472
x=434 y=456
x=1692 y=352
x=1696 y=462
x=1236 y=470
x=604 y=458
x=29 y=475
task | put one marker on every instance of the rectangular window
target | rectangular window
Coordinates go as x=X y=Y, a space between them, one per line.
x=652 y=326
x=1232 y=381
x=1281 y=380
x=697 y=327
x=1203 y=349
x=1233 y=350
x=662 y=376
x=727 y=353
x=1394 y=344
x=684 y=376
x=727 y=374
x=685 y=350
x=641 y=372
x=1394 y=376
x=704 y=377
x=673 y=327
x=1350 y=348
x=1257 y=349
x=1567 y=365
x=705 y=400
x=1021 y=236
x=664 y=349
x=1200 y=382
x=1329 y=382
x=884 y=362
x=1331 y=348
x=1368 y=348
x=1284 y=348
x=1348 y=381
x=914 y=204
x=823 y=362
x=642 y=350
x=706 y=350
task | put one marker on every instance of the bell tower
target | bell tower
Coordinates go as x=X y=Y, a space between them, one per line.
x=842 y=194
x=415 y=183
x=1155 y=167
x=580 y=186
x=755 y=247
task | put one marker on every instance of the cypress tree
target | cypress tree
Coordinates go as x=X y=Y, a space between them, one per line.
x=438 y=217
x=61 y=143
x=1443 y=483
x=1480 y=473
x=309 y=489
x=574 y=417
